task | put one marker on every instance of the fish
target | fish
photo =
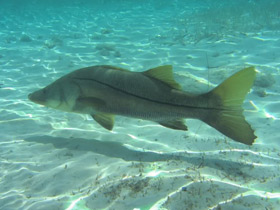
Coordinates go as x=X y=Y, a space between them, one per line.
x=105 y=91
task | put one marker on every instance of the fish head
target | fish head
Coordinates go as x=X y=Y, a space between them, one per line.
x=61 y=94
x=47 y=96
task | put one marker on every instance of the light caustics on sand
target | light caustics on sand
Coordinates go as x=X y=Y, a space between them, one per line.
x=247 y=192
x=264 y=112
x=73 y=204
x=243 y=191
x=258 y=193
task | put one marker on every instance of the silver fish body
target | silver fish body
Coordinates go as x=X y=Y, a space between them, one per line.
x=106 y=91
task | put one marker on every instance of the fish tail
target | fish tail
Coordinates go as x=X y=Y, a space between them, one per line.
x=225 y=105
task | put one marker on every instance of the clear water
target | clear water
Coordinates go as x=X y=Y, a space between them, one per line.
x=55 y=160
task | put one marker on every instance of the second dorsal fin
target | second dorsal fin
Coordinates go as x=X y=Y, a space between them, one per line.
x=164 y=74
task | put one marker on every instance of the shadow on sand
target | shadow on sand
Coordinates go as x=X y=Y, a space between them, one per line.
x=117 y=150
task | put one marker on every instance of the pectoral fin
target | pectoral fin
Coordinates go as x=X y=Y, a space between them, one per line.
x=177 y=124
x=105 y=120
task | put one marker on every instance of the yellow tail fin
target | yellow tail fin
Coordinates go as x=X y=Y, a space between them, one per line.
x=225 y=102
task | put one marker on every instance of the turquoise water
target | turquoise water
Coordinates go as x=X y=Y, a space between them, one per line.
x=56 y=160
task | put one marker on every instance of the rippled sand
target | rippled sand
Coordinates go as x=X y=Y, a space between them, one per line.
x=55 y=160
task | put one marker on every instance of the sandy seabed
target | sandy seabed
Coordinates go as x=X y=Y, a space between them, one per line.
x=55 y=160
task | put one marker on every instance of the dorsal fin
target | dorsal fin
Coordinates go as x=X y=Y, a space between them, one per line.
x=164 y=74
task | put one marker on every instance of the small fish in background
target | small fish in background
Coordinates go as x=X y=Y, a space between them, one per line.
x=106 y=91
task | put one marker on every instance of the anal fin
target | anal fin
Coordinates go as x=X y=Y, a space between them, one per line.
x=177 y=124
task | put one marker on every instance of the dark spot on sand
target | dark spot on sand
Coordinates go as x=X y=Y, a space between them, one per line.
x=25 y=38
x=264 y=80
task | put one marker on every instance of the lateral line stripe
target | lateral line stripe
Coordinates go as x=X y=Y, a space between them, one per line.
x=123 y=91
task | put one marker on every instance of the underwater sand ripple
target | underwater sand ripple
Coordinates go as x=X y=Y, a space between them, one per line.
x=50 y=160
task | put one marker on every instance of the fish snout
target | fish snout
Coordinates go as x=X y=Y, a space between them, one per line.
x=36 y=97
x=30 y=96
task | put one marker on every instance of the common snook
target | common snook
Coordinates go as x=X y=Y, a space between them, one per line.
x=106 y=91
